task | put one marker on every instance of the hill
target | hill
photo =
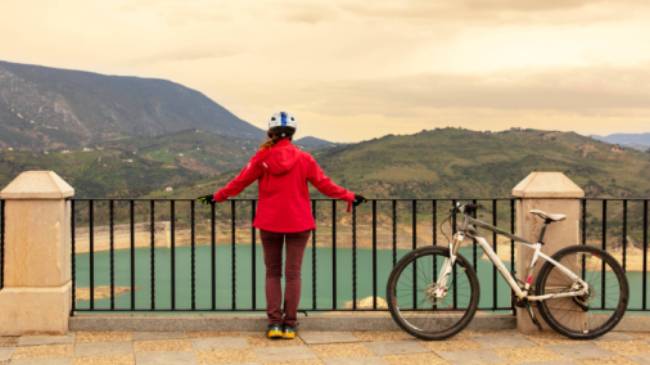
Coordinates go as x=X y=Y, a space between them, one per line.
x=134 y=167
x=640 y=141
x=310 y=143
x=48 y=108
x=451 y=163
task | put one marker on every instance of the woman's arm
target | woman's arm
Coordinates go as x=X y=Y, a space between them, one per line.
x=325 y=185
x=247 y=176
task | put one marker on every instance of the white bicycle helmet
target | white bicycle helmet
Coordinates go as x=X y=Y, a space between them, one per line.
x=283 y=119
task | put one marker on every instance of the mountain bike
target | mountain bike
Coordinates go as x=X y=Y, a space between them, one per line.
x=580 y=291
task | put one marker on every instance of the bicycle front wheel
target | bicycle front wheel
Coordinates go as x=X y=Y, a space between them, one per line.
x=593 y=314
x=425 y=310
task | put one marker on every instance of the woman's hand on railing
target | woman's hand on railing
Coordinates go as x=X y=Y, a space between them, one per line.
x=206 y=199
x=358 y=200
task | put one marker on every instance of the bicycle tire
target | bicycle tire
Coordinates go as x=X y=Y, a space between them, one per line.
x=463 y=321
x=616 y=316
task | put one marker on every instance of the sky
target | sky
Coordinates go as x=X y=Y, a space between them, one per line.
x=353 y=69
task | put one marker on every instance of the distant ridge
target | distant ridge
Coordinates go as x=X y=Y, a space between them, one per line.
x=640 y=141
x=313 y=143
x=43 y=107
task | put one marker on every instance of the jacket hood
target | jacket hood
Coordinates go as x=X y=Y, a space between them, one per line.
x=281 y=158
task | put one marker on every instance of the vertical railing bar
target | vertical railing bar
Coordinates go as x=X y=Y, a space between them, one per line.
x=152 y=252
x=474 y=253
x=645 y=255
x=233 y=256
x=625 y=207
x=414 y=243
x=91 y=257
x=132 y=249
x=254 y=253
x=354 y=258
x=213 y=254
x=111 y=227
x=374 y=254
x=172 y=254
x=434 y=229
x=193 y=254
x=394 y=232
x=604 y=247
x=454 y=228
x=313 y=257
x=333 y=254
x=495 y=245
x=73 y=259
x=2 y=244
x=583 y=229
x=512 y=249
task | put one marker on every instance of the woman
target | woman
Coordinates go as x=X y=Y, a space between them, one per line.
x=283 y=214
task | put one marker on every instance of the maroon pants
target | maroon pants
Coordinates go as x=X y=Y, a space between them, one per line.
x=273 y=245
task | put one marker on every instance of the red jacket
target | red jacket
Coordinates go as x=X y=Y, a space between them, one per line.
x=283 y=172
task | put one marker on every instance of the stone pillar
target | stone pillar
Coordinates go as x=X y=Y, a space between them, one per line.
x=37 y=294
x=552 y=192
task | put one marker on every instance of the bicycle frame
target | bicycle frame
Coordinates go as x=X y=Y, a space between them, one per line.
x=468 y=230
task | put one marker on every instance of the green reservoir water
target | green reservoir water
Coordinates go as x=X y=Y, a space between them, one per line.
x=243 y=278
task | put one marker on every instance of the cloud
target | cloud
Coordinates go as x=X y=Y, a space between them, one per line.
x=196 y=53
x=571 y=90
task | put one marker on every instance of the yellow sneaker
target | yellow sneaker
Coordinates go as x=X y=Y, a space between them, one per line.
x=274 y=332
x=289 y=333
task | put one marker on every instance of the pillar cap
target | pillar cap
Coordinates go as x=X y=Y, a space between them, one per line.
x=37 y=185
x=551 y=185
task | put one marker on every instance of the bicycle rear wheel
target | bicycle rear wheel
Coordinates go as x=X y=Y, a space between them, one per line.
x=416 y=309
x=591 y=315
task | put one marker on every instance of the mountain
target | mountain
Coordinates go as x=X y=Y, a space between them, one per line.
x=135 y=166
x=48 y=108
x=310 y=143
x=640 y=141
x=453 y=163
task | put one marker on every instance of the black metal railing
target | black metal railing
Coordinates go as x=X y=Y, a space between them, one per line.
x=620 y=226
x=2 y=244
x=174 y=255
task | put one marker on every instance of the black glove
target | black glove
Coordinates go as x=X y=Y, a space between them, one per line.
x=358 y=200
x=205 y=199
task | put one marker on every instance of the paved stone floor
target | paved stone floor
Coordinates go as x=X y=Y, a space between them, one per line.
x=330 y=348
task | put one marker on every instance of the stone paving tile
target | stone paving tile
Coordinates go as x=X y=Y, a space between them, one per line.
x=103 y=349
x=630 y=347
x=83 y=337
x=581 y=350
x=615 y=360
x=5 y=353
x=295 y=362
x=617 y=336
x=550 y=338
x=356 y=361
x=396 y=347
x=553 y=362
x=641 y=359
x=321 y=337
x=472 y=357
x=382 y=336
x=165 y=358
x=45 y=340
x=105 y=360
x=452 y=345
x=507 y=339
x=280 y=354
x=163 y=346
x=345 y=350
x=47 y=361
x=8 y=341
x=146 y=336
x=528 y=354
x=260 y=340
x=44 y=351
x=225 y=357
x=415 y=359
x=219 y=343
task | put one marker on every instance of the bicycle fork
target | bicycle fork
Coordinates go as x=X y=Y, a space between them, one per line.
x=440 y=290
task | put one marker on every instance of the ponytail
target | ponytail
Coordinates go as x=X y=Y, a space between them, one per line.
x=277 y=134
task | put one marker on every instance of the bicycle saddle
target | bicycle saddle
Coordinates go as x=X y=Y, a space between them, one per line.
x=547 y=216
